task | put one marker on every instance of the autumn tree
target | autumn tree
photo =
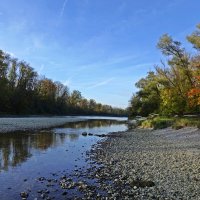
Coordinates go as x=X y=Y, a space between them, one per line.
x=194 y=92
x=176 y=80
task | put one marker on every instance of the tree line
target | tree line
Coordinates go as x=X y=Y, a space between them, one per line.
x=23 y=91
x=174 y=86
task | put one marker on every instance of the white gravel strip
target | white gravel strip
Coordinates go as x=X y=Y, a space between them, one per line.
x=32 y=123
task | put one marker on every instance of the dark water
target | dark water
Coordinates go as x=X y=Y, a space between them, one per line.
x=24 y=157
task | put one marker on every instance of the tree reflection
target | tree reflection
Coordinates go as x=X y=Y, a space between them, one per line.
x=92 y=123
x=16 y=148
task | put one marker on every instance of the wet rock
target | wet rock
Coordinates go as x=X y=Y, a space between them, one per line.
x=84 y=134
x=64 y=193
x=24 y=195
x=43 y=196
x=64 y=177
x=46 y=191
x=100 y=135
x=41 y=179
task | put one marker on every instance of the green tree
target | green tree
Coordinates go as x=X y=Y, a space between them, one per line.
x=194 y=38
x=147 y=99
x=46 y=90
x=23 y=92
x=4 y=92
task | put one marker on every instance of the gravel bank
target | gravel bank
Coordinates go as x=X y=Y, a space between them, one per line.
x=34 y=123
x=145 y=164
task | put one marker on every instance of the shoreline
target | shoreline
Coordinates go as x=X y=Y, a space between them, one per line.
x=8 y=125
x=150 y=164
x=16 y=124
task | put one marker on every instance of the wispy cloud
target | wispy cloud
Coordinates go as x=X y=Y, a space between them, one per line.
x=108 y=62
x=67 y=82
x=63 y=8
x=41 y=69
x=105 y=82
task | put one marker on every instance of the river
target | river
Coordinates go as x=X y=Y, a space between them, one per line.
x=33 y=162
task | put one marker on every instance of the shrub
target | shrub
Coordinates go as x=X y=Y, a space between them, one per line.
x=176 y=123
x=185 y=122
x=157 y=123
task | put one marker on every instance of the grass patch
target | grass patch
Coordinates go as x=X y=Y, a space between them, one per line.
x=186 y=122
x=157 y=123
x=176 y=123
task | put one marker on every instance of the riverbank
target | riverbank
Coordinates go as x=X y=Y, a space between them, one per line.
x=150 y=164
x=14 y=124
x=34 y=123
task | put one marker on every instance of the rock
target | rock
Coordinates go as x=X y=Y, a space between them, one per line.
x=43 y=196
x=64 y=193
x=135 y=187
x=84 y=134
x=41 y=179
x=24 y=195
x=100 y=135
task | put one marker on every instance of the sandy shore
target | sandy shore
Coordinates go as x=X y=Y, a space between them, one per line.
x=145 y=164
x=34 y=123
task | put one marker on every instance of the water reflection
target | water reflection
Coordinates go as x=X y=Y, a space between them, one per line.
x=16 y=148
x=93 y=124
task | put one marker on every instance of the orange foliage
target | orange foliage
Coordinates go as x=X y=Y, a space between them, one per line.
x=194 y=93
x=194 y=97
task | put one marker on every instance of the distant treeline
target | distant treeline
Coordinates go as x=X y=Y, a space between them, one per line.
x=23 y=91
x=174 y=87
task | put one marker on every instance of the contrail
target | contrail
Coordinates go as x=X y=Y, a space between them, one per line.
x=63 y=8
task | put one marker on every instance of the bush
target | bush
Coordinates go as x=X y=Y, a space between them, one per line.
x=146 y=124
x=157 y=123
x=185 y=122
x=176 y=123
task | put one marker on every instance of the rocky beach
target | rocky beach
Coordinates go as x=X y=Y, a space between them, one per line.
x=149 y=164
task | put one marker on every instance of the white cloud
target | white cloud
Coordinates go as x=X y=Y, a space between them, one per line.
x=63 y=8
x=105 y=82
x=41 y=69
x=109 y=62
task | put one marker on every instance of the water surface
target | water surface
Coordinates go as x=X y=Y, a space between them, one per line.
x=25 y=157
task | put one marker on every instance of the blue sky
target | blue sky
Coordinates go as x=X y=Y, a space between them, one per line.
x=100 y=47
